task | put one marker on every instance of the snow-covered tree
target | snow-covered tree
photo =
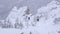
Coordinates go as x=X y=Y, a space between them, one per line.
x=27 y=11
x=30 y=32
x=59 y=32
x=18 y=24
x=47 y=11
x=7 y=24
x=57 y=20
x=22 y=33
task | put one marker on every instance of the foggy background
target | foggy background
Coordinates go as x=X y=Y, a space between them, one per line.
x=7 y=5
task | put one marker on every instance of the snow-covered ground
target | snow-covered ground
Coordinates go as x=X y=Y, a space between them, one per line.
x=45 y=21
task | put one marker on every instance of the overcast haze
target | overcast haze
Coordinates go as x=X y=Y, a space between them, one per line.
x=6 y=5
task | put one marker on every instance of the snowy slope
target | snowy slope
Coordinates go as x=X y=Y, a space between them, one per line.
x=15 y=13
x=45 y=25
x=50 y=9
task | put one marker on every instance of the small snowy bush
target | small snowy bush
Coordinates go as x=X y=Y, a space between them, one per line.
x=57 y=20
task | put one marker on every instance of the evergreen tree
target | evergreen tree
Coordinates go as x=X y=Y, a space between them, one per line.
x=7 y=24
x=27 y=11
x=18 y=24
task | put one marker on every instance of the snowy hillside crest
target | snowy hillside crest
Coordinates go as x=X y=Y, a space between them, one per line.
x=20 y=18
